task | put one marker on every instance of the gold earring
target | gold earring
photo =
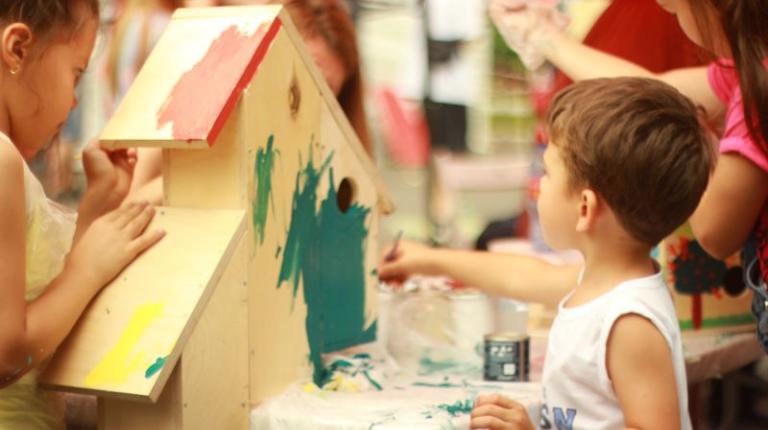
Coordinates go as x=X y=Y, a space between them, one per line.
x=16 y=70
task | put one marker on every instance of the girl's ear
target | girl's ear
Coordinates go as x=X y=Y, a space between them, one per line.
x=588 y=210
x=16 y=45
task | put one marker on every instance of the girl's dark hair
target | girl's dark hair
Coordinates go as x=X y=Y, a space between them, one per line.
x=45 y=16
x=330 y=20
x=744 y=24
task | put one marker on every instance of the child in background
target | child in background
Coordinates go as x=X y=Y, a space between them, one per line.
x=626 y=164
x=44 y=287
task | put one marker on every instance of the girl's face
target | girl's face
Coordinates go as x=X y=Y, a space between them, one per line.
x=42 y=92
x=329 y=63
x=687 y=20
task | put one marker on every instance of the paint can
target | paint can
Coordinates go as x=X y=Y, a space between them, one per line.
x=506 y=357
x=472 y=318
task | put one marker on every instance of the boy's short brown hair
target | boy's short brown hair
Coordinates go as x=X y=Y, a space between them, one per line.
x=637 y=143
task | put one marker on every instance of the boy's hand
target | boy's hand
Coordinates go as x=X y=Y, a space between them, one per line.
x=112 y=241
x=496 y=412
x=409 y=259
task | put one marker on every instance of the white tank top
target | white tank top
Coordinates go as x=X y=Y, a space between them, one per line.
x=577 y=391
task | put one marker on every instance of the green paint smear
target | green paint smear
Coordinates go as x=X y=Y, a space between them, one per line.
x=458 y=408
x=433 y=385
x=719 y=322
x=155 y=367
x=265 y=163
x=372 y=381
x=326 y=248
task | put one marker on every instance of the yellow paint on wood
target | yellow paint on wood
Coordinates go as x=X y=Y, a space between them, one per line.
x=123 y=360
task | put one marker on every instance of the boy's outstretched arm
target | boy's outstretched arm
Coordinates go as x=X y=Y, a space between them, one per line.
x=512 y=275
x=639 y=364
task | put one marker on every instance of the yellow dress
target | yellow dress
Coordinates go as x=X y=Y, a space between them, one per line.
x=49 y=231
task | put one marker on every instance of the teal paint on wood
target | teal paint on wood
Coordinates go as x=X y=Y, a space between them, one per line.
x=263 y=167
x=155 y=367
x=326 y=249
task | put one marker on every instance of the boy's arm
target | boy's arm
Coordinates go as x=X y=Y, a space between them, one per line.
x=512 y=275
x=639 y=364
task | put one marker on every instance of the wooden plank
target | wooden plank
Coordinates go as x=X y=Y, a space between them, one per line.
x=129 y=339
x=166 y=105
x=164 y=414
x=214 y=178
x=277 y=317
x=208 y=389
x=386 y=204
x=295 y=153
x=214 y=365
x=340 y=331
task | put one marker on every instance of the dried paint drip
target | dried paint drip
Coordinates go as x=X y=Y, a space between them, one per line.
x=155 y=367
x=204 y=95
x=326 y=248
x=264 y=165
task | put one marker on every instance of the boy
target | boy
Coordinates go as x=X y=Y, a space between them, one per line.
x=627 y=163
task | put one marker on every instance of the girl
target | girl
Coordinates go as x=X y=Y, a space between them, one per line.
x=44 y=49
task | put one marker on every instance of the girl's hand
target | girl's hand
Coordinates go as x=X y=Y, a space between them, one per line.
x=527 y=27
x=496 y=412
x=409 y=259
x=112 y=241
x=109 y=174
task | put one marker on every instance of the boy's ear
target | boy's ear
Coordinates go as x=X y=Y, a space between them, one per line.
x=588 y=210
x=16 y=45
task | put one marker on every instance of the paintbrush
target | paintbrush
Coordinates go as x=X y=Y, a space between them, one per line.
x=392 y=254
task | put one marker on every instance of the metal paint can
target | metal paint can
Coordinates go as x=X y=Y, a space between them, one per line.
x=506 y=357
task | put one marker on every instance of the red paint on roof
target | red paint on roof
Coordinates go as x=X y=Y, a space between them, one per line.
x=204 y=96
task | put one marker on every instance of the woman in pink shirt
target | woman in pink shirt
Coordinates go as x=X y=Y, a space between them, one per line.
x=732 y=91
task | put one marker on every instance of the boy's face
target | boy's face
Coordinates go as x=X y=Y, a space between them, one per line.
x=558 y=203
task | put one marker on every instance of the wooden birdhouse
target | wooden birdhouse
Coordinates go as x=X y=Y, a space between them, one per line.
x=271 y=207
x=708 y=293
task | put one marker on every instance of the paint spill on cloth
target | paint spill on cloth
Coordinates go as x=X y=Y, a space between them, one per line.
x=459 y=407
